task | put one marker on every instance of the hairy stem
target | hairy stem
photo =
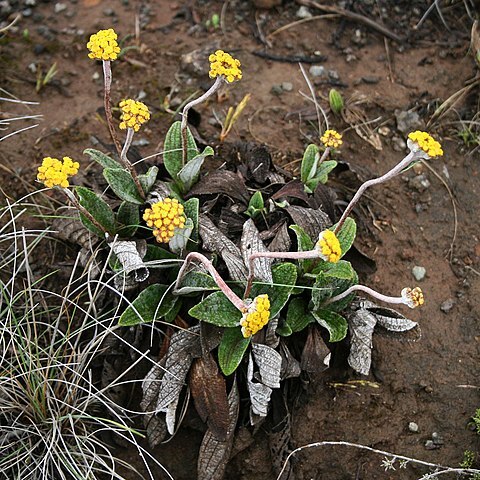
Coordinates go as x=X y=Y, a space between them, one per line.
x=107 y=77
x=371 y=292
x=229 y=293
x=218 y=82
x=126 y=162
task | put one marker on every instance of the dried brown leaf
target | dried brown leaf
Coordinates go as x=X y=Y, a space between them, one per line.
x=259 y=394
x=311 y=220
x=68 y=227
x=281 y=241
x=314 y=351
x=209 y=394
x=362 y=324
x=223 y=181
x=290 y=365
x=269 y=363
x=292 y=189
x=251 y=243
x=214 y=454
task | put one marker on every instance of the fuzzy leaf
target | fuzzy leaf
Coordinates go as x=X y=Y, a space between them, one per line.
x=99 y=209
x=346 y=235
x=128 y=218
x=251 y=243
x=298 y=315
x=122 y=185
x=231 y=350
x=217 y=309
x=269 y=363
x=189 y=174
x=148 y=179
x=321 y=175
x=259 y=393
x=336 y=325
x=313 y=221
x=362 y=325
x=209 y=394
x=309 y=163
x=256 y=205
x=152 y=304
x=191 y=208
x=173 y=155
x=391 y=319
x=179 y=241
x=284 y=277
x=196 y=281
x=304 y=243
x=103 y=159
x=156 y=253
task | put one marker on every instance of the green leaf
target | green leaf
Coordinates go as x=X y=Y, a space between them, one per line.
x=123 y=185
x=217 y=309
x=189 y=174
x=284 y=277
x=148 y=179
x=256 y=205
x=128 y=218
x=321 y=175
x=191 y=208
x=172 y=156
x=152 y=304
x=99 y=209
x=298 y=315
x=336 y=325
x=309 y=163
x=304 y=243
x=231 y=350
x=196 y=282
x=154 y=252
x=346 y=235
x=104 y=160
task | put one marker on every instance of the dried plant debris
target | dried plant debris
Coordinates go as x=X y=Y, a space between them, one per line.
x=281 y=242
x=251 y=243
x=314 y=351
x=363 y=320
x=130 y=254
x=215 y=453
x=293 y=189
x=222 y=181
x=311 y=221
x=209 y=393
x=269 y=363
x=69 y=228
x=290 y=365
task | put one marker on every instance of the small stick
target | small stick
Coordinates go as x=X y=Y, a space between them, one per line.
x=107 y=76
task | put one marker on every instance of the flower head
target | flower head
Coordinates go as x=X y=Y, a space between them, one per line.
x=423 y=141
x=54 y=172
x=165 y=217
x=331 y=138
x=103 y=45
x=256 y=316
x=328 y=246
x=413 y=297
x=134 y=114
x=222 y=63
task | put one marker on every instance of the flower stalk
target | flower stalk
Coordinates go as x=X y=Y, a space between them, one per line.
x=126 y=162
x=107 y=77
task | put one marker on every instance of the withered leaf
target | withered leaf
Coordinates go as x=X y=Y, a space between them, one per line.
x=259 y=393
x=251 y=243
x=68 y=227
x=236 y=267
x=312 y=221
x=281 y=242
x=130 y=254
x=269 y=363
x=388 y=318
x=214 y=454
x=324 y=199
x=362 y=323
x=290 y=365
x=271 y=338
x=209 y=394
x=314 y=351
x=222 y=181
x=294 y=189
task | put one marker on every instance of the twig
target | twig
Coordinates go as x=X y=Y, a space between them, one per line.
x=353 y=16
x=299 y=22
x=290 y=59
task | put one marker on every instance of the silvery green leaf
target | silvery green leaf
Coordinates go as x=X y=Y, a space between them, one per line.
x=158 y=192
x=128 y=255
x=214 y=454
x=196 y=281
x=389 y=319
x=180 y=239
x=362 y=323
x=251 y=243
x=259 y=393
x=189 y=174
x=310 y=220
x=148 y=179
x=269 y=363
x=290 y=365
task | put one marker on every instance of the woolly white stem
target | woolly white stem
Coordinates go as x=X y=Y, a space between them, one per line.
x=371 y=292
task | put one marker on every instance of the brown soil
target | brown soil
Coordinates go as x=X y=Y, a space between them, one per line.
x=433 y=382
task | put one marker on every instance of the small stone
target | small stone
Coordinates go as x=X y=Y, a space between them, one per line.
x=437 y=438
x=413 y=427
x=384 y=131
x=38 y=49
x=318 y=71
x=419 y=273
x=350 y=58
x=407 y=121
x=428 y=389
x=27 y=12
x=303 y=12
x=287 y=86
x=276 y=89
x=371 y=80
x=447 y=305
x=419 y=183
x=429 y=445
x=141 y=142
x=30 y=3
x=398 y=144
x=95 y=76
x=333 y=75
x=60 y=7
x=32 y=67
x=109 y=12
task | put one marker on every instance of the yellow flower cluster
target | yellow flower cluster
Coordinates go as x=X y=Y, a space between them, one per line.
x=427 y=143
x=134 y=114
x=54 y=172
x=165 y=217
x=331 y=138
x=103 y=45
x=413 y=297
x=329 y=246
x=256 y=316
x=222 y=63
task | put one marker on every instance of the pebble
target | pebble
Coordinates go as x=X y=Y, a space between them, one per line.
x=447 y=305
x=27 y=12
x=304 y=12
x=407 y=121
x=318 y=71
x=437 y=438
x=30 y=3
x=398 y=144
x=45 y=32
x=109 y=12
x=59 y=7
x=429 y=445
x=419 y=273
x=32 y=67
x=95 y=76
x=287 y=86
x=141 y=142
x=38 y=49
x=370 y=80
x=419 y=183
x=413 y=427
x=276 y=89
x=333 y=75
x=384 y=131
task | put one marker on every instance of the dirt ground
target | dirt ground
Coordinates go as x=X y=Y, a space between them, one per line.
x=409 y=222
